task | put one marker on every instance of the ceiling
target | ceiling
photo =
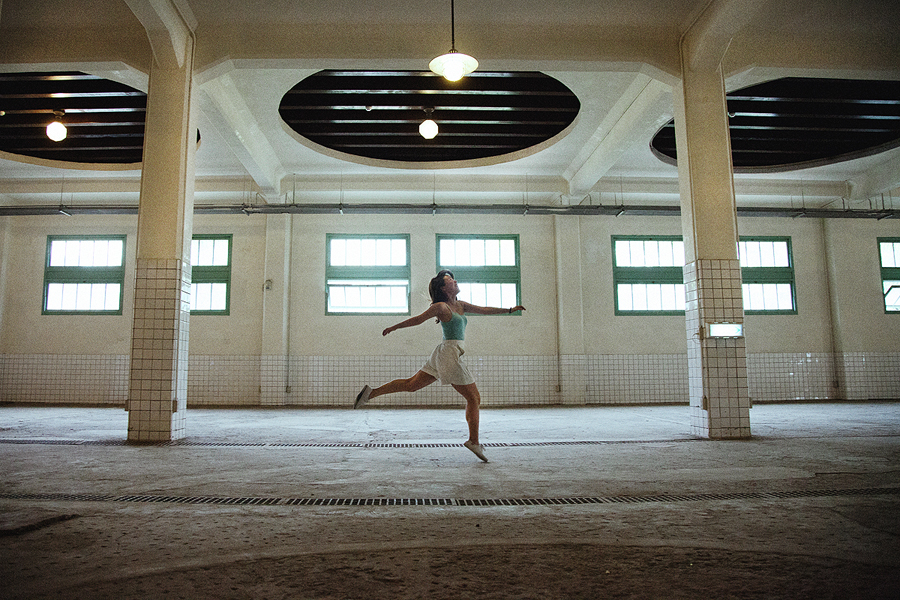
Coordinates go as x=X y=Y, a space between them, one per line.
x=619 y=60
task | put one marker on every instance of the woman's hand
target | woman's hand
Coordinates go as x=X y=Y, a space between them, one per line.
x=388 y=330
x=516 y=309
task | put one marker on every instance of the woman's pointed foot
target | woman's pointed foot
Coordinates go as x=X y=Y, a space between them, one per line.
x=477 y=449
x=362 y=397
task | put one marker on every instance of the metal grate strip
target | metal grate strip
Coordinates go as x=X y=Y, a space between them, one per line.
x=560 y=501
x=197 y=443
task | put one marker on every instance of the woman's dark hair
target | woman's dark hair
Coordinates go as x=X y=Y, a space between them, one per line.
x=436 y=285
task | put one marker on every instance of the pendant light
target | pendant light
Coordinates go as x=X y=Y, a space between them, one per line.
x=56 y=131
x=428 y=129
x=454 y=65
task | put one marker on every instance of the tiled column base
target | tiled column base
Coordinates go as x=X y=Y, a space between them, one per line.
x=717 y=368
x=157 y=391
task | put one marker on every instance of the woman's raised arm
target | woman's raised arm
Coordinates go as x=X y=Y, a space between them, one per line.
x=433 y=311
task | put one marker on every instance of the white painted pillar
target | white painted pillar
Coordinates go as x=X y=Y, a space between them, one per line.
x=275 y=375
x=157 y=395
x=570 y=310
x=717 y=368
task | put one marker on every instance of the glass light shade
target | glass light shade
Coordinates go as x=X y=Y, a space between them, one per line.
x=428 y=129
x=453 y=66
x=56 y=131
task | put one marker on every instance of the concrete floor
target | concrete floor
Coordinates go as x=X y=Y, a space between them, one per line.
x=375 y=503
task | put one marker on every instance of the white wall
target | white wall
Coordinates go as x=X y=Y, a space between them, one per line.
x=566 y=283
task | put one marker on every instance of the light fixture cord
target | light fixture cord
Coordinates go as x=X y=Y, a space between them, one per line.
x=452 y=27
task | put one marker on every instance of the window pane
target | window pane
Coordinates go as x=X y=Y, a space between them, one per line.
x=200 y=296
x=753 y=296
x=507 y=295
x=55 y=296
x=368 y=252
x=465 y=292
x=398 y=253
x=83 y=296
x=217 y=296
x=476 y=251
x=766 y=254
x=113 y=293
x=892 y=296
x=57 y=253
x=781 y=255
x=651 y=254
x=69 y=296
x=86 y=253
x=785 y=298
x=625 y=297
x=668 y=293
x=666 y=257
x=639 y=297
x=492 y=252
x=678 y=253
x=354 y=250
x=220 y=253
x=338 y=252
x=493 y=295
x=72 y=253
x=507 y=253
x=478 y=293
x=98 y=296
x=367 y=296
x=101 y=250
x=116 y=251
x=448 y=253
x=636 y=250
x=623 y=254
x=463 y=257
x=654 y=297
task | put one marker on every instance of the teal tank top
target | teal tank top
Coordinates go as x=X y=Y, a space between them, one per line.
x=455 y=328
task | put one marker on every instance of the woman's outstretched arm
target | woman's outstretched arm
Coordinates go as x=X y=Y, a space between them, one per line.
x=490 y=310
x=435 y=311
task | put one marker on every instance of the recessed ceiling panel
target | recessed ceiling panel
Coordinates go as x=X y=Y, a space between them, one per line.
x=105 y=119
x=376 y=114
x=794 y=123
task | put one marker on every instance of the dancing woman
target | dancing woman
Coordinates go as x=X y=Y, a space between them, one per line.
x=446 y=362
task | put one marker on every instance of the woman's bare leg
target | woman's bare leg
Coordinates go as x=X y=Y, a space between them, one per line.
x=473 y=404
x=413 y=384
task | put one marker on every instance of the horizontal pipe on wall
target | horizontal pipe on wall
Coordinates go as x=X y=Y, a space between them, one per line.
x=451 y=209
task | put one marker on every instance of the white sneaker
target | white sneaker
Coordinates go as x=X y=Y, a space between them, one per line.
x=478 y=449
x=362 y=397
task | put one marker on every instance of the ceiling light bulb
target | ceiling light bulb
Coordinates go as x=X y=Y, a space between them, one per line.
x=56 y=131
x=454 y=65
x=428 y=129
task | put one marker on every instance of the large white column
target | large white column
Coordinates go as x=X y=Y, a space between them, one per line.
x=157 y=395
x=719 y=396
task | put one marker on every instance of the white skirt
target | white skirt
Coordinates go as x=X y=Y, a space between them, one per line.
x=446 y=364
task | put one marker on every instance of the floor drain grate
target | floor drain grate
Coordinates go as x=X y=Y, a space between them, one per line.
x=560 y=501
x=197 y=443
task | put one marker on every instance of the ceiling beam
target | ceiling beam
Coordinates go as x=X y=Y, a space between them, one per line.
x=169 y=25
x=879 y=179
x=644 y=107
x=224 y=107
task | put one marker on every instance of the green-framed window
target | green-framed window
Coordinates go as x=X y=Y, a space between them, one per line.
x=486 y=267
x=211 y=274
x=648 y=275
x=767 y=272
x=367 y=274
x=84 y=275
x=889 y=254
